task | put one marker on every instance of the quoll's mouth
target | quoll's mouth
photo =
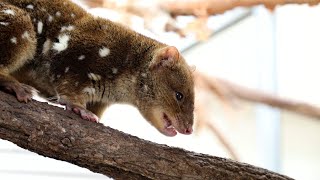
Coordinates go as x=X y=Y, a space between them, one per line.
x=168 y=130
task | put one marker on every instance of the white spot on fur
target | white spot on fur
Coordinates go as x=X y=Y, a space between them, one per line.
x=144 y=75
x=89 y=90
x=8 y=11
x=46 y=46
x=4 y=23
x=34 y=20
x=81 y=57
x=67 y=28
x=103 y=52
x=114 y=70
x=76 y=84
x=73 y=15
x=58 y=76
x=58 y=13
x=66 y=70
x=30 y=6
x=62 y=44
x=134 y=79
x=145 y=88
x=13 y=40
x=94 y=77
x=25 y=35
x=40 y=27
x=50 y=18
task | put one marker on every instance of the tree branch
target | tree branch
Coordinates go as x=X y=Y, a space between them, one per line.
x=52 y=132
x=203 y=122
x=228 y=91
x=212 y=7
x=272 y=100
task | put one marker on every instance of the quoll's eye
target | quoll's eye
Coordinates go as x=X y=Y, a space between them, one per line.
x=179 y=96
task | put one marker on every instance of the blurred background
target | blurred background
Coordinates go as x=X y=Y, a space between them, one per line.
x=263 y=50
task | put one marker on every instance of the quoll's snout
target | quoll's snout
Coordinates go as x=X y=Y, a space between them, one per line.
x=188 y=130
x=185 y=123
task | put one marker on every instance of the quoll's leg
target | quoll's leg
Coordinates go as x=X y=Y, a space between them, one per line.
x=23 y=92
x=17 y=46
x=76 y=103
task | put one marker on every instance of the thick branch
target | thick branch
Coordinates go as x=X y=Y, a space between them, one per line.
x=59 y=134
x=212 y=7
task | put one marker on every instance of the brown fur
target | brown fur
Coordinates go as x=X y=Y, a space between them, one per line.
x=88 y=63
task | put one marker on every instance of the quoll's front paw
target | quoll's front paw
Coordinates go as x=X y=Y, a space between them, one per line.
x=84 y=113
x=23 y=92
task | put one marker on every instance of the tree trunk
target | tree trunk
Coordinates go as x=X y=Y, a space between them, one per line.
x=53 y=132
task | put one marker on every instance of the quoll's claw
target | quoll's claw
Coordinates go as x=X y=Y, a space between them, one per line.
x=84 y=113
x=23 y=92
x=87 y=115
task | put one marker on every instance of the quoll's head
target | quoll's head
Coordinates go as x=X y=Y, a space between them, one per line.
x=171 y=108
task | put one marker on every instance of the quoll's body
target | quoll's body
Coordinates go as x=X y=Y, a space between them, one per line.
x=88 y=63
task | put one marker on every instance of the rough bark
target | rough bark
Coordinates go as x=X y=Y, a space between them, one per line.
x=52 y=132
x=212 y=7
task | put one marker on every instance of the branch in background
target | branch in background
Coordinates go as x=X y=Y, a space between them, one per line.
x=170 y=27
x=232 y=91
x=212 y=85
x=52 y=132
x=93 y=3
x=149 y=13
x=272 y=100
x=203 y=8
x=203 y=122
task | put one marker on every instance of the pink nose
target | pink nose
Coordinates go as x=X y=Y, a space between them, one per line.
x=189 y=131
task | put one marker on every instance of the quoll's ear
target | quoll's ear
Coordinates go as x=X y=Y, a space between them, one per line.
x=165 y=57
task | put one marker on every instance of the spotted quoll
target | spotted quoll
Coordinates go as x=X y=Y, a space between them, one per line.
x=87 y=63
